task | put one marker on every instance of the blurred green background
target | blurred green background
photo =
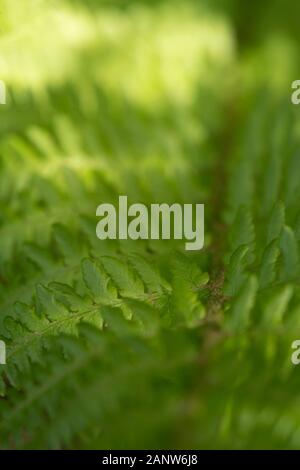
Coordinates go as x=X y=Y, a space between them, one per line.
x=140 y=344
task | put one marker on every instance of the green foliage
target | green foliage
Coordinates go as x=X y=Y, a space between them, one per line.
x=139 y=344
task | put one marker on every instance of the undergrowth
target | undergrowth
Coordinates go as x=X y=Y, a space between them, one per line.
x=139 y=344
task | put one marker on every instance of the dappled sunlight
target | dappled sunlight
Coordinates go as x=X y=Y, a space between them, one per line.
x=149 y=55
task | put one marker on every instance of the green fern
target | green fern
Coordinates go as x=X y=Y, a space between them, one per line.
x=139 y=344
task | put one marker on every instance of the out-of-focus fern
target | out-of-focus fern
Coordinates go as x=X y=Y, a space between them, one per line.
x=139 y=344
